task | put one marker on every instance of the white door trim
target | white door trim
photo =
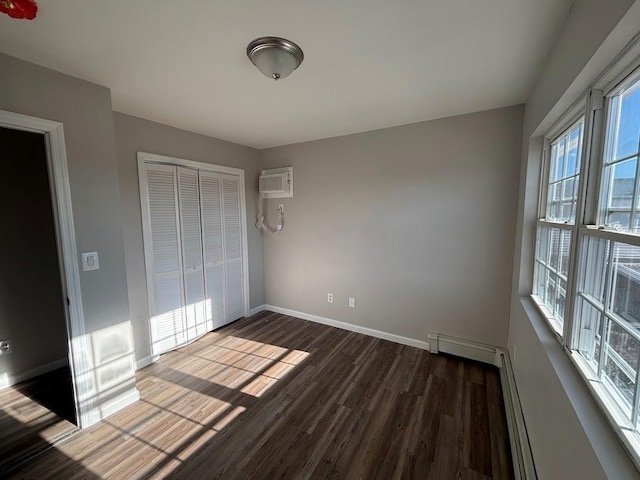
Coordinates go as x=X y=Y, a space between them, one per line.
x=144 y=157
x=79 y=353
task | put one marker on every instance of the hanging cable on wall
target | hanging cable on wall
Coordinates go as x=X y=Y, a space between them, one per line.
x=260 y=225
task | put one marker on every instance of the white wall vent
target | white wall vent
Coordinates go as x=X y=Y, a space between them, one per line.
x=277 y=182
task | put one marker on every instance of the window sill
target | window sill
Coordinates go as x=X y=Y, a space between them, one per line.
x=551 y=320
x=613 y=446
x=615 y=416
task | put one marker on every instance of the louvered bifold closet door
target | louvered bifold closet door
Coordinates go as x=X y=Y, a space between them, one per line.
x=167 y=322
x=232 y=247
x=211 y=208
x=192 y=264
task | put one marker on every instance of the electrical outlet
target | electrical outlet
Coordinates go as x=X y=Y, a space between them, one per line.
x=330 y=297
x=5 y=347
x=352 y=302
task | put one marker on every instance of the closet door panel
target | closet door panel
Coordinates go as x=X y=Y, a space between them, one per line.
x=213 y=247
x=235 y=297
x=167 y=322
x=215 y=295
x=191 y=236
x=232 y=248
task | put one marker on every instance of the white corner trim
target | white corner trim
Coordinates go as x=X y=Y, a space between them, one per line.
x=146 y=361
x=349 y=326
x=523 y=465
x=10 y=380
x=256 y=310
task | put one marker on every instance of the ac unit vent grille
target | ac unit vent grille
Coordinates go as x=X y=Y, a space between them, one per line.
x=276 y=183
x=272 y=183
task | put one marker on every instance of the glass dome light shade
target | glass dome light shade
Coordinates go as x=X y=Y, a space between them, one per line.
x=275 y=57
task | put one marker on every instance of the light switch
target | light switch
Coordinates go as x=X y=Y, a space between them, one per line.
x=90 y=261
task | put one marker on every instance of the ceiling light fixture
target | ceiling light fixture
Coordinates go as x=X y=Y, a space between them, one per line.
x=275 y=57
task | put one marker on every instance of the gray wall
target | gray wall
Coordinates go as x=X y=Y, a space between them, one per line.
x=31 y=302
x=135 y=134
x=85 y=110
x=416 y=222
x=569 y=435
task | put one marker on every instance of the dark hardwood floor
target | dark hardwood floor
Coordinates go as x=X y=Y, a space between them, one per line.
x=277 y=397
x=34 y=415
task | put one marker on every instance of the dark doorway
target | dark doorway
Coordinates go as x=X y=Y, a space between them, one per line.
x=37 y=406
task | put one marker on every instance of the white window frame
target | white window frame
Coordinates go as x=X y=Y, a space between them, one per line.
x=575 y=115
x=594 y=106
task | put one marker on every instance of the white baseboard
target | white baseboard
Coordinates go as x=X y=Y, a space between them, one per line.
x=258 y=309
x=110 y=407
x=351 y=327
x=8 y=380
x=143 y=362
x=523 y=466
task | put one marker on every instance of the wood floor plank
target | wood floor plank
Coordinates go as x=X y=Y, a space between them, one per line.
x=35 y=414
x=273 y=396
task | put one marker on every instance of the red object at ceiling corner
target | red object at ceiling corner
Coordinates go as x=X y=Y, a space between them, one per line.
x=26 y=9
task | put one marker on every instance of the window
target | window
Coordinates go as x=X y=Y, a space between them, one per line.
x=587 y=256
x=555 y=228
x=620 y=205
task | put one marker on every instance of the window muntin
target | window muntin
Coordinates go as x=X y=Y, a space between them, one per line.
x=564 y=174
x=620 y=199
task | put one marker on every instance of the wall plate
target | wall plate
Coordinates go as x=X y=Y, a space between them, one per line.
x=90 y=261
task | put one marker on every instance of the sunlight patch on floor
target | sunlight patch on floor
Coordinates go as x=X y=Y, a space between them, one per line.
x=189 y=397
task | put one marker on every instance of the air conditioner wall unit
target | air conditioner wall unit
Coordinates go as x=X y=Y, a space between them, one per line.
x=276 y=182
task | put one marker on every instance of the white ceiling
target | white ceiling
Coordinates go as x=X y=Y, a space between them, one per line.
x=368 y=63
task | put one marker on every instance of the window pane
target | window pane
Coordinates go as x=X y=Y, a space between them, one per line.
x=589 y=332
x=542 y=245
x=572 y=160
x=620 y=193
x=620 y=309
x=561 y=296
x=622 y=382
x=625 y=345
x=541 y=280
x=628 y=133
x=621 y=360
x=553 y=247
x=557 y=161
x=565 y=248
x=550 y=293
x=554 y=251
x=564 y=175
x=595 y=257
x=626 y=284
x=620 y=175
